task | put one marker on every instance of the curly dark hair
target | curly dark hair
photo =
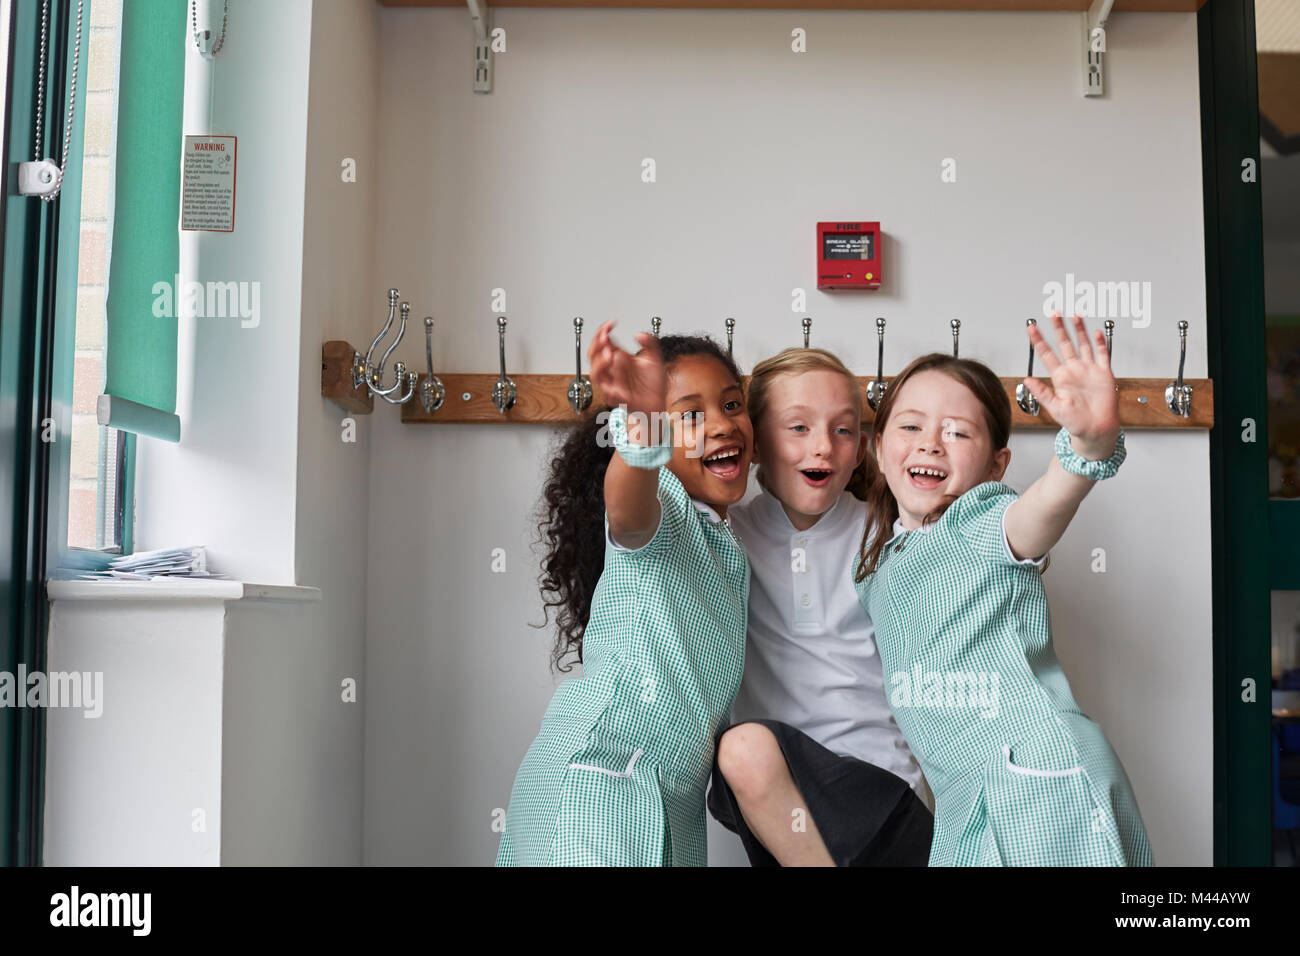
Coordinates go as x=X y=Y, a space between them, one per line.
x=572 y=513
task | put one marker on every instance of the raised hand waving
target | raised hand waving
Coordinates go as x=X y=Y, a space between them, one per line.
x=1083 y=396
x=639 y=381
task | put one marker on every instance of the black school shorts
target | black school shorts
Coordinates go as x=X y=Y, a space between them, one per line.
x=866 y=815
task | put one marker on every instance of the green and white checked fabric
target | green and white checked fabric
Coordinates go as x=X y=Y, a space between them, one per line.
x=639 y=456
x=1076 y=464
x=1021 y=776
x=617 y=774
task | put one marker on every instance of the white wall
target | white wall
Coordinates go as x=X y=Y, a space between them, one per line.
x=140 y=784
x=231 y=482
x=341 y=299
x=261 y=475
x=208 y=737
x=293 y=751
x=536 y=189
x=290 y=747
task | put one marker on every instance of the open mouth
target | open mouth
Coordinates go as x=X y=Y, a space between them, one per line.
x=925 y=478
x=724 y=463
x=816 y=477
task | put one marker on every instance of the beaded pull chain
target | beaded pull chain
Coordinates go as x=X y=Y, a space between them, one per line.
x=203 y=35
x=50 y=171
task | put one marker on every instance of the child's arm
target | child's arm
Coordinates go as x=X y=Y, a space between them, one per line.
x=641 y=382
x=1083 y=398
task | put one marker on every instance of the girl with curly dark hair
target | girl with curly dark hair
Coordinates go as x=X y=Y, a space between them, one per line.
x=651 y=588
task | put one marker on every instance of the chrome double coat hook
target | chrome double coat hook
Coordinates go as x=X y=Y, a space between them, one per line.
x=372 y=376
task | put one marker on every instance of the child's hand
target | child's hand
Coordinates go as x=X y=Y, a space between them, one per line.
x=638 y=381
x=1083 y=396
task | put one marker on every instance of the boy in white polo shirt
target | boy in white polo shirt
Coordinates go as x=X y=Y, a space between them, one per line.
x=813 y=770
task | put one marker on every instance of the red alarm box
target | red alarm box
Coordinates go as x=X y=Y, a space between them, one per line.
x=848 y=255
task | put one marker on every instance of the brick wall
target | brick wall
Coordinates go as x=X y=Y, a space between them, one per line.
x=91 y=444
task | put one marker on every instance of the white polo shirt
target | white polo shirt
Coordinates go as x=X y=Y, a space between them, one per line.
x=810 y=659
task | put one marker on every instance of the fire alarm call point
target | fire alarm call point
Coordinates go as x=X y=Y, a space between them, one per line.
x=848 y=255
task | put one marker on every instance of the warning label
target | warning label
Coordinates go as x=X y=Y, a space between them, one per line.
x=208 y=184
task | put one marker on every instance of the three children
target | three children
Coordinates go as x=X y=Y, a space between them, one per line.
x=816 y=771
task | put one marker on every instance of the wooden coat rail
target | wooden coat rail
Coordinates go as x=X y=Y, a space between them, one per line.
x=543 y=399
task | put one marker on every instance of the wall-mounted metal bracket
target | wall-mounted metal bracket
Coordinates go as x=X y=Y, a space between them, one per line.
x=478 y=14
x=1094 y=45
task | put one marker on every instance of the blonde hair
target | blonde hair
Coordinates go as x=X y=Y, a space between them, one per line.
x=796 y=361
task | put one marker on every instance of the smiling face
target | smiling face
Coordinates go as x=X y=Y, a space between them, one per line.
x=935 y=445
x=712 y=456
x=809 y=442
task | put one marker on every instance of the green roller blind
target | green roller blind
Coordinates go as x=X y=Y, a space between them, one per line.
x=140 y=384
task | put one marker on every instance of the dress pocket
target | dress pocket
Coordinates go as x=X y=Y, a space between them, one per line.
x=623 y=774
x=610 y=817
x=1042 y=807
x=1034 y=771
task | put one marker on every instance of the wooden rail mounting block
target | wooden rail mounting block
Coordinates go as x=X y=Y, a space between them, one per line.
x=336 y=379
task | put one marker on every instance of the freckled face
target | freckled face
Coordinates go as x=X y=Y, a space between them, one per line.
x=711 y=457
x=936 y=445
x=809 y=442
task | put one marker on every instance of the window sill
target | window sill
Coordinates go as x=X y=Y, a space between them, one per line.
x=186 y=589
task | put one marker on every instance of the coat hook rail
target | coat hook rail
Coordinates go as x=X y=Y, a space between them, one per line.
x=1146 y=403
x=543 y=399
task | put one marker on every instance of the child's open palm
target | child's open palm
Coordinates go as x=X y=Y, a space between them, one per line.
x=1082 y=395
x=639 y=381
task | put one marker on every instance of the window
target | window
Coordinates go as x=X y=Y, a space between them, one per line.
x=97 y=474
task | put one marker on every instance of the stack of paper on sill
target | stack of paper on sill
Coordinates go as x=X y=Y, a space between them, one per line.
x=191 y=562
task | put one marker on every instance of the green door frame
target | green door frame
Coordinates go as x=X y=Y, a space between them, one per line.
x=38 y=276
x=1244 y=555
x=24 y=225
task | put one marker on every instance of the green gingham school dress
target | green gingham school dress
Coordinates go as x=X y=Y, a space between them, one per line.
x=1021 y=776
x=617 y=775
